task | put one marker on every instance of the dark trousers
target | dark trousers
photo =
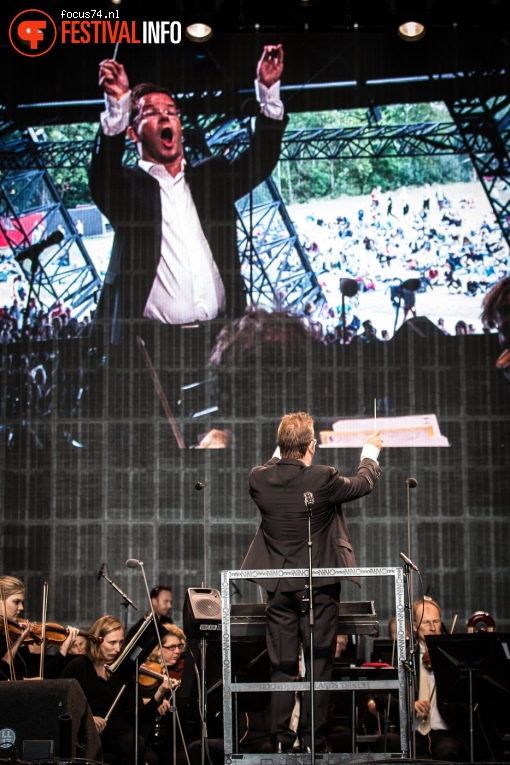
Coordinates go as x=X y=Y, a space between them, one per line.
x=287 y=628
x=118 y=742
x=440 y=745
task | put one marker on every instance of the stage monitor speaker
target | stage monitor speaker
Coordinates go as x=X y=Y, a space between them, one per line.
x=201 y=616
x=31 y=711
x=37 y=750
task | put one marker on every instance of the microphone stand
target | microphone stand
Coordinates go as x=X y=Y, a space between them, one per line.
x=32 y=253
x=410 y=663
x=132 y=563
x=200 y=486
x=126 y=601
x=311 y=621
x=135 y=652
x=411 y=483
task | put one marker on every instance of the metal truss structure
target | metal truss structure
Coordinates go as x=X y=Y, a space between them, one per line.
x=274 y=263
x=485 y=130
x=44 y=242
x=275 y=266
x=232 y=688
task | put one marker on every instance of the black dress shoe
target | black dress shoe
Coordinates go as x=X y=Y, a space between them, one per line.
x=321 y=749
x=282 y=749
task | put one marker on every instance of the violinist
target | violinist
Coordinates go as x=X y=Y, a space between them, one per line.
x=159 y=728
x=114 y=721
x=19 y=644
x=80 y=646
x=440 y=733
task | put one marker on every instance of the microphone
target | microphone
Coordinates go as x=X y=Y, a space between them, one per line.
x=100 y=572
x=412 y=483
x=309 y=500
x=200 y=485
x=408 y=561
x=133 y=563
x=33 y=251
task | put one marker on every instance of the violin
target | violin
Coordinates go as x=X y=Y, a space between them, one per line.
x=15 y=629
x=152 y=673
x=55 y=633
x=175 y=672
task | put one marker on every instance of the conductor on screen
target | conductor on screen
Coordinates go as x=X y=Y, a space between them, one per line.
x=172 y=261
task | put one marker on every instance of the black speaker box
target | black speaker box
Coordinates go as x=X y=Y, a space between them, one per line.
x=37 y=750
x=201 y=615
x=32 y=710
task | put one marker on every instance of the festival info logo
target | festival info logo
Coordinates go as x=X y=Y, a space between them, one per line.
x=32 y=33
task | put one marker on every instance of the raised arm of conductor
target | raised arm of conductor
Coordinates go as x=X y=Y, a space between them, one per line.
x=113 y=78
x=270 y=65
x=372 y=447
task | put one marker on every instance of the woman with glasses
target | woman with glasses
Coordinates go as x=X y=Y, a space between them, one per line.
x=160 y=727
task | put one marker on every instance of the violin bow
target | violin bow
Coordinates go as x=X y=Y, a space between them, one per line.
x=161 y=393
x=43 y=630
x=114 y=703
x=7 y=636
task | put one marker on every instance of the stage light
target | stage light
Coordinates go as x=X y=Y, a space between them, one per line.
x=198 y=20
x=411 y=19
x=198 y=31
x=411 y=31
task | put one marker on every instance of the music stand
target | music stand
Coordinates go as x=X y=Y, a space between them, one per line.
x=410 y=285
x=126 y=666
x=472 y=668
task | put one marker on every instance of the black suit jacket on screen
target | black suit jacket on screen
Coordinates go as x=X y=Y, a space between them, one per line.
x=130 y=199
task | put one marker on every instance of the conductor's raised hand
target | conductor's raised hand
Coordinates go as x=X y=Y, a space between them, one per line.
x=113 y=78
x=270 y=66
x=375 y=440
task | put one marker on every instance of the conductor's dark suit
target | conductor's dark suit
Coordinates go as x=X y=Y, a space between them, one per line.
x=281 y=541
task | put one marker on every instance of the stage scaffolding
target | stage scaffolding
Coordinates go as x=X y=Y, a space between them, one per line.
x=230 y=688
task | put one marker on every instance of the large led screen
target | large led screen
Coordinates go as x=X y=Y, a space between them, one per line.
x=350 y=261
